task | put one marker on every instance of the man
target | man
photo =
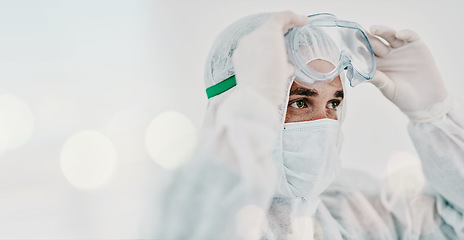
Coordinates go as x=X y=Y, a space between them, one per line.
x=270 y=146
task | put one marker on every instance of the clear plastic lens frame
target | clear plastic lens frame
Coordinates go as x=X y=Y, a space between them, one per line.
x=344 y=44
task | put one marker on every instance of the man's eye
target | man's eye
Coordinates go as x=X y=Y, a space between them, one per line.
x=298 y=104
x=334 y=104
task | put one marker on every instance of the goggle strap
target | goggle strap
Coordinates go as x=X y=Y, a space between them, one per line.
x=221 y=87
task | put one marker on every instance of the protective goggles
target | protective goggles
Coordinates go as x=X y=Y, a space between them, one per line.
x=342 y=43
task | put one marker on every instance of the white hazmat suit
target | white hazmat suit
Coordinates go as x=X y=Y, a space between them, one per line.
x=249 y=178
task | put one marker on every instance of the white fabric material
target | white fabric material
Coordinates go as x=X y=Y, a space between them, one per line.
x=230 y=170
x=356 y=206
x=228 y=189
x=204 y=198
x=219 y=64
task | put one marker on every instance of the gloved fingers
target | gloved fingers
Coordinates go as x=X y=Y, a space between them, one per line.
x=287 y=20
x=407 y=35
x=388 y=34
x=379 y=48
x=384 y=84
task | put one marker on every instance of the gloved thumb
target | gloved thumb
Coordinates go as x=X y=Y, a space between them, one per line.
x=379 y=48
x=384 y=84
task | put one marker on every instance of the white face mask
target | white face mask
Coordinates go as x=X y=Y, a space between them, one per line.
x=307 y=157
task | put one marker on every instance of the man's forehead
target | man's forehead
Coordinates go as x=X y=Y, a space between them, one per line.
x=321 y=65
x=336 y=84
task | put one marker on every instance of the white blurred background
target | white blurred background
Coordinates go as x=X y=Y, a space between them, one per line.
x=93 y=94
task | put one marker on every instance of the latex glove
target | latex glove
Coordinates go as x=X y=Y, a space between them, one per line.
x=260 y=60
x=408 y=75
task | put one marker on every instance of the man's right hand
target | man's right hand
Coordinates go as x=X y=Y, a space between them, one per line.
x=260 y=60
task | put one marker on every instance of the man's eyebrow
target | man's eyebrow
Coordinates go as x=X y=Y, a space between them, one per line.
x=339 y=94
x=304 y=91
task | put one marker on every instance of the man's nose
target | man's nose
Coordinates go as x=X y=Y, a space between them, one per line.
x=319 y=113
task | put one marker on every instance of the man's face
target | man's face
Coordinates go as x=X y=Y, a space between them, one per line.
x=319 y=101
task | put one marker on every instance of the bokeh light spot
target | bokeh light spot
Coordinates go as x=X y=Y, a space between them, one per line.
x=170 y=139
x=404 y=174
x=303 y=227
x=88 y=159
x=251 y=222
x=17 y=122
x=127 y=131
x=4 y=136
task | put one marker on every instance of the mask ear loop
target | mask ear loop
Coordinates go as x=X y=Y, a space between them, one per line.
x=284 y=106
x=283 y=114
x=341 y=112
